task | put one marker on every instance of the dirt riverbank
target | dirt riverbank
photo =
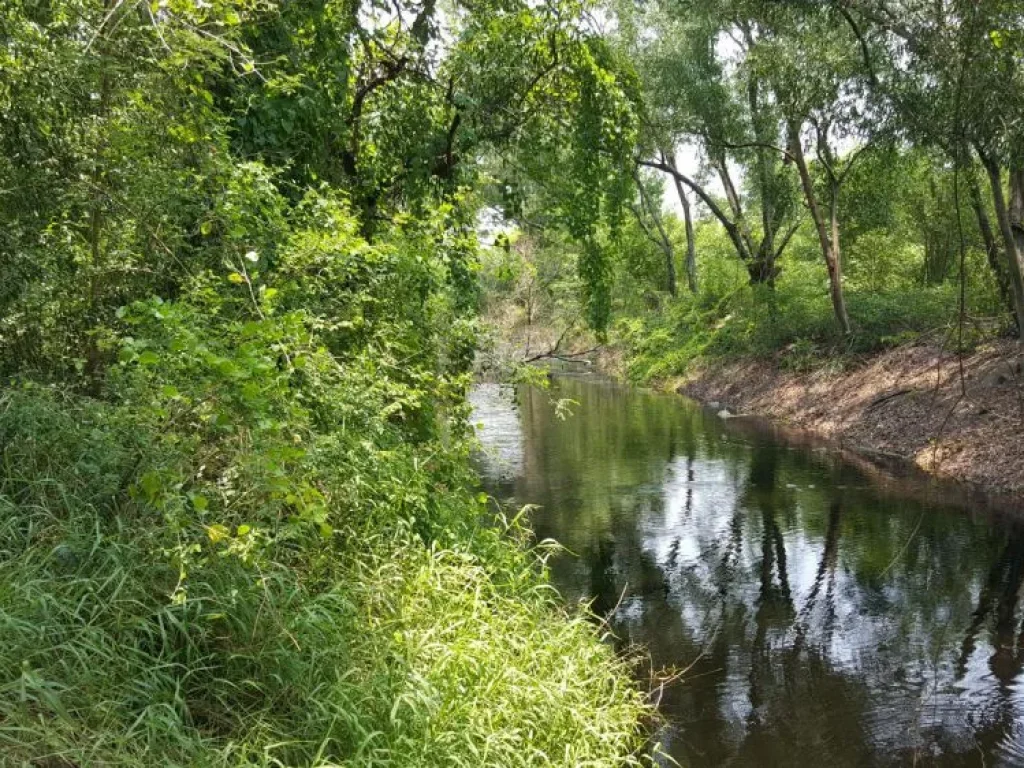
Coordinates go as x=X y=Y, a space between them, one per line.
x=909 y=403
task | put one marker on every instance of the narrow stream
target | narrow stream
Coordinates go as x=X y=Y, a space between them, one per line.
x=824 y=617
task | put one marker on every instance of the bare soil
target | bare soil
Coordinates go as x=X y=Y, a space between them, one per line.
x=914 y=403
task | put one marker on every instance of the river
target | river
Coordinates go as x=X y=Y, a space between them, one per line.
x=822 y=614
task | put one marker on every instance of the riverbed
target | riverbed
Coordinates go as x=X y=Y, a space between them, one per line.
x=820 y=613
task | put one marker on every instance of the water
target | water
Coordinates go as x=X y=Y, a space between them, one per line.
x=825 y=615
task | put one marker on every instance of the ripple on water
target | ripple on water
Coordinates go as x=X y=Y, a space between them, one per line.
x=823 y=617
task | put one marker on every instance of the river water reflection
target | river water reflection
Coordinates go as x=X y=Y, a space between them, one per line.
x=825 y=619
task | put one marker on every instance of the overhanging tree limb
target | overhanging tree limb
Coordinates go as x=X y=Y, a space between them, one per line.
x=730 y=227
x=751 y=145
x=662 y=240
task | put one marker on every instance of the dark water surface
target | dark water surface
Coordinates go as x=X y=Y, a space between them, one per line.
x=827 y=618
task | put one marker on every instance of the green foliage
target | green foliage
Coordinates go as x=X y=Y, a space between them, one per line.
x=247 y=514
x=878 y=115
x=408 y=657
x=794 y=322
x=580 y=187
x=236 y=326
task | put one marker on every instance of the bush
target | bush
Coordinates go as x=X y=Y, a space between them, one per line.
x=795 y=322
x=264 y=546
x=376 y=651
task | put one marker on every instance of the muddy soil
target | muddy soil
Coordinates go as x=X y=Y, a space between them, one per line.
x=914 y=403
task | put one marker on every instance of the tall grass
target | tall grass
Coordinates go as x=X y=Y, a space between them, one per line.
x=386 y=652
x=793 y=324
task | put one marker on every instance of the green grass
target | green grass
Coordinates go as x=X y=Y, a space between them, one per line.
x=381 y=651
x=796 y=326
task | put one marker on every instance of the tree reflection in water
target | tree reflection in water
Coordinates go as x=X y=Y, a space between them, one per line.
x=823 y=618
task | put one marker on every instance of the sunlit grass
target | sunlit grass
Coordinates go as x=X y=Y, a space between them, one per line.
x=414 y=657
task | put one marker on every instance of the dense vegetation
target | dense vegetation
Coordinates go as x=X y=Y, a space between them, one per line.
x=237 y=316
x=810 y=179
x=239 y=242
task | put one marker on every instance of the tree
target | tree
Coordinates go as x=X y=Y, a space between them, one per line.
x=648 y=210
x=953 y=74
x=818 y=81
x=698 y=90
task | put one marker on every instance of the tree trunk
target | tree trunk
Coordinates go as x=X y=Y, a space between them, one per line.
x=735 y=236
x=829 y=245
x=1010 y=245
x=733 y=198
x=691 y=246
x=670 y=256
x=94 y=358
x=665 y=242
x=835 y=264
x=988 y=239
x=1017 y=207
x=763 y=269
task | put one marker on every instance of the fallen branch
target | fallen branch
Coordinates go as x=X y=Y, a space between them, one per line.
x=568 y=357
x=879 y=400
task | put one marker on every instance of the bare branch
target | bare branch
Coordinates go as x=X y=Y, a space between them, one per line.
x=751 y=145
x=568 y=357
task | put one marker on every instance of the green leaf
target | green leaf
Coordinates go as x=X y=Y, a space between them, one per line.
x=150 y=484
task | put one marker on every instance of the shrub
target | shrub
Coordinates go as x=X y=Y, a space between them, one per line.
x=363 y=649
x=264 y=546
x=795 y=322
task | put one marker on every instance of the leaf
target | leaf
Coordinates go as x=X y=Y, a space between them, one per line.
x=149 y=357
x=200 y=502
x=243 y=530
x=251 y=391
x=236 y=278
x=150 y=484
x=217 y=532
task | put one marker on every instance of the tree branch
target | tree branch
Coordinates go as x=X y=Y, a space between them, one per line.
x=568 y=357
x=751 y=145
x=730 y=227
x=787 y=237
x=865 y=52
